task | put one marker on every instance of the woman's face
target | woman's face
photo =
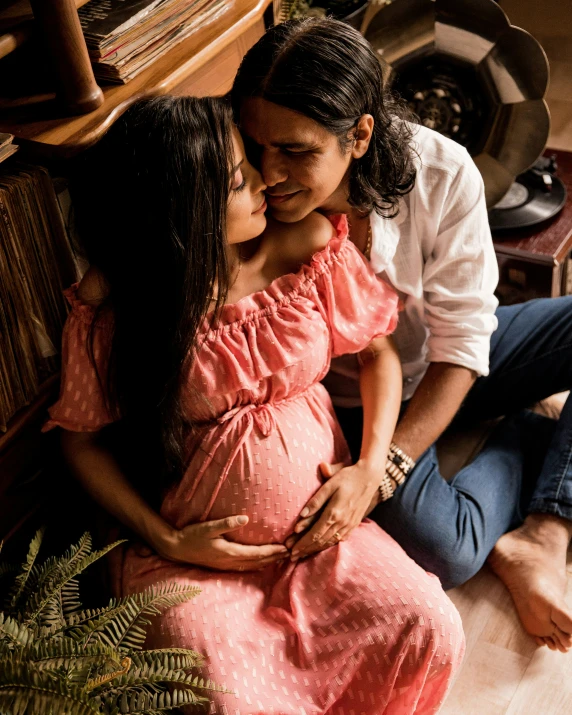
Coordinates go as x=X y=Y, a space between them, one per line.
x=245 y=217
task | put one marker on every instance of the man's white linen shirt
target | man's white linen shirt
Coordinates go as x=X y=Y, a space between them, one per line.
x=438 y=255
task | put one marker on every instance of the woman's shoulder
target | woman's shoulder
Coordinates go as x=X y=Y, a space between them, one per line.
x=298 y=242
x=92 y=289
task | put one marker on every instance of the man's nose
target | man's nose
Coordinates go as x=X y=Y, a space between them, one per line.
x=272 y=168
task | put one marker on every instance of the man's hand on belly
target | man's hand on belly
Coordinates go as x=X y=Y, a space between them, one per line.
x=204 y=544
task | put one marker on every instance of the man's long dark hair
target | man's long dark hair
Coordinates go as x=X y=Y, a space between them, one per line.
x=150 y=202
x=326 y=70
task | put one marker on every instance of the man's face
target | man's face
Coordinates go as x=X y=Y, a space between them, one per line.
x=300 y=161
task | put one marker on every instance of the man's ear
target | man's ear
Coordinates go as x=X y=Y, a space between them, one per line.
x=362 y=136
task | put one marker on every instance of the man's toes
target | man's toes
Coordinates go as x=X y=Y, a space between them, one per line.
x=563 y=619
x=565 y=639
x=558 y=642
x=550 y=642
x=539 y=641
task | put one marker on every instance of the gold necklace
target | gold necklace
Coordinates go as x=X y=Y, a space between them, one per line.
x=367 y=252
x=368 y=242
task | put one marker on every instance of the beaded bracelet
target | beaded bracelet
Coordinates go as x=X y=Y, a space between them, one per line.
x=397 y=468
x=400 y=459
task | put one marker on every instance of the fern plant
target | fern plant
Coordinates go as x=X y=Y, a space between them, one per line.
x=57 y=659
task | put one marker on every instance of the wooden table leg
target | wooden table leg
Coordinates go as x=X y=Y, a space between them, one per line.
x=58 y=22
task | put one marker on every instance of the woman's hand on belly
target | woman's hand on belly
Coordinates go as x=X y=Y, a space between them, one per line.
x=346 y=498
x=204 y=544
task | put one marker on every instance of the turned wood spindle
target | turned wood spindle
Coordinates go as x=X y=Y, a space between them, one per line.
x=59 y=24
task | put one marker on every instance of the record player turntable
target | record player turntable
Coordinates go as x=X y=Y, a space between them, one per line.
x=535 y=196
x=472 y=76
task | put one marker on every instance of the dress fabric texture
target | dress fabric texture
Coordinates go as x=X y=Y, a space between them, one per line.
x=358 y=628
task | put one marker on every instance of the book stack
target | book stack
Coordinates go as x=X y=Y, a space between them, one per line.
x=6 y=146
x=36 y=264
x=124 y=37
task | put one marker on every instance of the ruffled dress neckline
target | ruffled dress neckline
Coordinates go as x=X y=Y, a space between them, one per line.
x=284 y=288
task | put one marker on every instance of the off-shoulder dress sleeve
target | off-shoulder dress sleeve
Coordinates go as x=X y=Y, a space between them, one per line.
x=359 y=305
x=81 y=406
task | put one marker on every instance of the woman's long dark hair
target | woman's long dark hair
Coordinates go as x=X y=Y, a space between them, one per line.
x=326 y=70
x=150 y=202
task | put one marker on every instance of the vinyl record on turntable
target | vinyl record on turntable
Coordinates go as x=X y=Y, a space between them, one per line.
x=533 y=197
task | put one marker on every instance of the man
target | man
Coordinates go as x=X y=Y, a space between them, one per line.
x=326 y=136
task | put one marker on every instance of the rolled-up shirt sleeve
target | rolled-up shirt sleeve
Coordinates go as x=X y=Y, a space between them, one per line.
x=460 y=276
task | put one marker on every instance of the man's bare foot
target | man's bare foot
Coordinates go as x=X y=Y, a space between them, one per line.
x=531 y=562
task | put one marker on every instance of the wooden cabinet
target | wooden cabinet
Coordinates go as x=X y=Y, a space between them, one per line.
x=534 y=262
x=216 y=76
x=204 y=63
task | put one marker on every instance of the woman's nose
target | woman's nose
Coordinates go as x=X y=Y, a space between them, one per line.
x=258 y=184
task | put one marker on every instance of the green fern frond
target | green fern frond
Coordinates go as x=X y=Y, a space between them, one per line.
x=122 y=625
x=14 y=633
x=144 y=703
x=154 y=675
x=7 y=569
x=85 y=625
x=25 y=690
x=67 y=653
x=53 y=566
x=171 y=658
x=202 y=684
x=105 y=678
x=56 y=659
x=26 y=568
x=40 y=573
x=88 y=614
x=78 y=551
x=70 y=598
x=52 y=615
x=49 y=590
x=64 y=603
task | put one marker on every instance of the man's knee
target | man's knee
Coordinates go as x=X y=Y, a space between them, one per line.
x=440 y=546
x=453 y=569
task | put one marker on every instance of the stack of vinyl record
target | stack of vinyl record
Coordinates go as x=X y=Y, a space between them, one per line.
x=6 y=146
x=125 y=36
x=36 y=264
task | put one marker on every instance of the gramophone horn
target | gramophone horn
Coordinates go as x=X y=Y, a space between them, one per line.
x=471 y=75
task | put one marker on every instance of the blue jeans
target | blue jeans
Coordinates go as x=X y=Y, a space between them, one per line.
x=449 y=528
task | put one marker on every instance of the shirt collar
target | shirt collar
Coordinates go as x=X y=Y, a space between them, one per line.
x=385 y=235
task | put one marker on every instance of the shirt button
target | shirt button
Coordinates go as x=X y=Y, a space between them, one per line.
x=408 y=380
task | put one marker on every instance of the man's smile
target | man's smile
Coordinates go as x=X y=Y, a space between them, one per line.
x=274 y=199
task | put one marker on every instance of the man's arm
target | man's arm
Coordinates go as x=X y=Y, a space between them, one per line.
x=436 y=401
x=460 y=274
x=202 y=544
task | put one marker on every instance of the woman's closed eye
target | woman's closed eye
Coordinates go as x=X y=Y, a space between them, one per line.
x=238 y=182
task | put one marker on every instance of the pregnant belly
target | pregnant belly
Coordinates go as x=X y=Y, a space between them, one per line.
x=269 y=477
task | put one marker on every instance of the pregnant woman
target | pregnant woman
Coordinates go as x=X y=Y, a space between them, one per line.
x=207 y=331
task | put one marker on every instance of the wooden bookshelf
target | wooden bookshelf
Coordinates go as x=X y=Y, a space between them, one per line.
x=27 y=415
x=42 y=129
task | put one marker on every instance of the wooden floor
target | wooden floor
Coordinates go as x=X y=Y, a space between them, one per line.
x=504 y=673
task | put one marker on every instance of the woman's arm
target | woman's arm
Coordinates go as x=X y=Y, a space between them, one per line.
x=348 y=495
x=200 y=544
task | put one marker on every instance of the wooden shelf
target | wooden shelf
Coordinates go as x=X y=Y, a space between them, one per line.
x=44 y=132
x=27 y=415
x=17 y=27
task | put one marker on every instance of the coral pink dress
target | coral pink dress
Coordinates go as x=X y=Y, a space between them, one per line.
x=358 y=629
